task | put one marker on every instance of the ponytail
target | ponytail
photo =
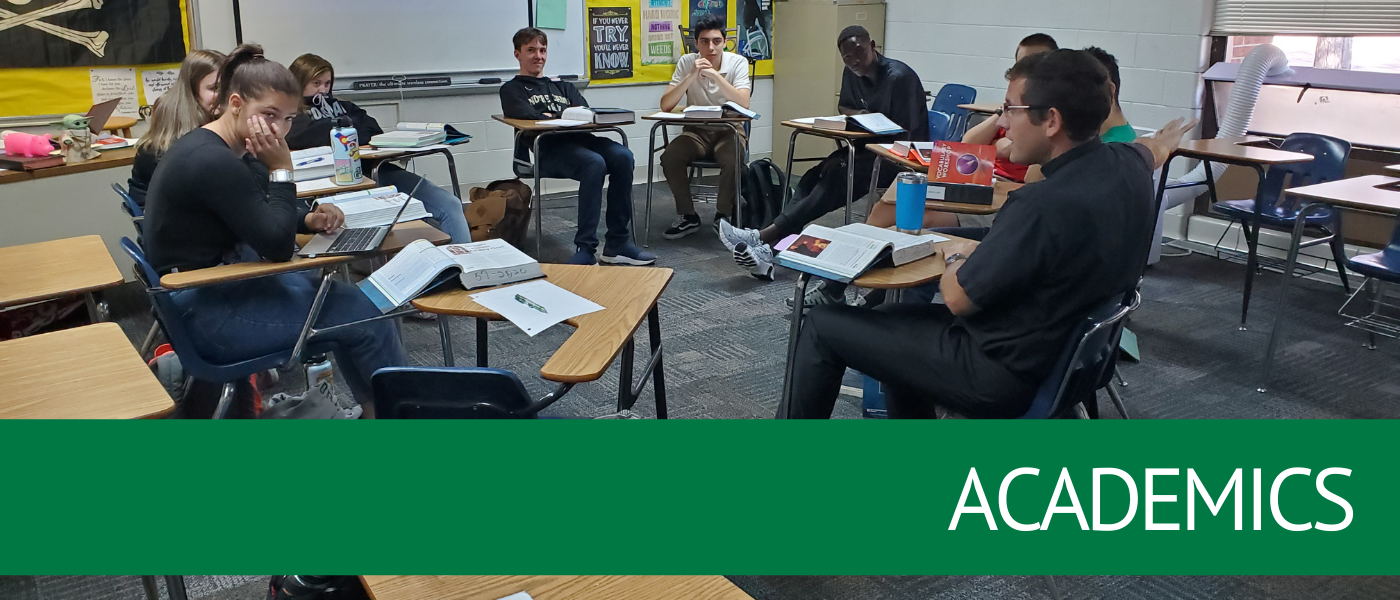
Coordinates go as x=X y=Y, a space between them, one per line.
x=251 y=75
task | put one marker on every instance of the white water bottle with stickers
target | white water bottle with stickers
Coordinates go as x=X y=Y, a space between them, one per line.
x=345 y=149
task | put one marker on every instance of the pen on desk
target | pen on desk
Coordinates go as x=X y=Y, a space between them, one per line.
x=307 y=162
x=527 y=302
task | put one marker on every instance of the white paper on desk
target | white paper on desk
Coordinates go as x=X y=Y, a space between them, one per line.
x=561 y=123
x=670 y=116
x=316 y=185
x=555 y=305
x=155 y=82
x=518 y=596
x=115 y=83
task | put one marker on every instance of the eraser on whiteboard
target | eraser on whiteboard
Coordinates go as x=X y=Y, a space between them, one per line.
x=489 y=80
x=568 y=77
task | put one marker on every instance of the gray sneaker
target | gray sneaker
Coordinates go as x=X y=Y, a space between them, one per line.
x=732 y=236
x=820 y=292
x=758 y=259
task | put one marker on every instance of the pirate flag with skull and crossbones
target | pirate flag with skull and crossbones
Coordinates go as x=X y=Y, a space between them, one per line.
x=76 y=33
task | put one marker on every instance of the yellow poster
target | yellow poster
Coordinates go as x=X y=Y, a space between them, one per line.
x=639 y=41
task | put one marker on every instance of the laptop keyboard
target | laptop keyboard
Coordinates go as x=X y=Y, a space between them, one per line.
x=354 y=240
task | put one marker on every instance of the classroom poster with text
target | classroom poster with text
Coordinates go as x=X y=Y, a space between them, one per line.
x=610 y=42
x=662 y=44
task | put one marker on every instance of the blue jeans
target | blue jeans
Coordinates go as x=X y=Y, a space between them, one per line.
x=243 y=320
x=587 y=158
x=446 y=208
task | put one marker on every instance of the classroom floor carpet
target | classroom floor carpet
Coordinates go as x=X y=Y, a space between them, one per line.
x=725 y=335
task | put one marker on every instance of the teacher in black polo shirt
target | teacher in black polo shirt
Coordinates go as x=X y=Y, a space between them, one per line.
x=1058 y=249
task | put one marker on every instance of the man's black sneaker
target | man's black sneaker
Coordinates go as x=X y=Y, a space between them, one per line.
x=682 y=227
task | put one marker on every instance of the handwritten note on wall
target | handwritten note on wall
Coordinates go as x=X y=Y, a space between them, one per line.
x=155 y=82
x=115 y=83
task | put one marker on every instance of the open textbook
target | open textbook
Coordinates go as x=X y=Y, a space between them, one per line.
x=844 y=253
x=375 y=207
x=421 y=266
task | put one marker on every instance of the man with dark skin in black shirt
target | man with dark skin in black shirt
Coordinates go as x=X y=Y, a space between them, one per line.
x=1059 y=249
x=871 y=83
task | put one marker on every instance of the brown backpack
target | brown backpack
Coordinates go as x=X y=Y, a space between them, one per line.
x=500 y=210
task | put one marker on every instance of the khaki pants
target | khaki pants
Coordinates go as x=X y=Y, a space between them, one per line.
x=710 y=143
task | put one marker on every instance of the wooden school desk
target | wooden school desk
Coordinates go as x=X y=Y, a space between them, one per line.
x=893 y=279
x=1358 y=194
x=108 y=159
x=741 y=152
x=551 y=587
x=842 y=138
x=627 y=295
x=384 y=155
x=325 y=186
x=987 y=109
x=531 y=127
x=1000 y=188
x=58 y=268
x=89 y=372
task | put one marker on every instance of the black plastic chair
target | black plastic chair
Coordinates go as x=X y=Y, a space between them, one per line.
x=1279 y=211
x=455 y=393
x=1087 y=363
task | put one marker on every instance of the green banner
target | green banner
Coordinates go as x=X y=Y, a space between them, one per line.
x=699 y=497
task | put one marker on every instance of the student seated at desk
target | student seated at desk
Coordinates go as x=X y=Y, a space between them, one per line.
x=988 y=132
x=580 y=156
x=1059 y=249
x=230 y=182
x=871 y=83
x=709 y=77
x=187 y=105
x=312 y=129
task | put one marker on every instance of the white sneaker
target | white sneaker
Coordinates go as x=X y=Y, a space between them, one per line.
x=757 y=259
x=732 y=236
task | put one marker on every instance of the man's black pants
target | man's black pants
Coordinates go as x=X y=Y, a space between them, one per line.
x=822 y=189
x=917 y=350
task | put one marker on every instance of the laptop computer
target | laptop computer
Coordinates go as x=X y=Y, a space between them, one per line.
x=100 y=113
x=354 y=241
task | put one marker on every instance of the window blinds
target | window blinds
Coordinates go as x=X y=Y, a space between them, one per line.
x=1307 y=17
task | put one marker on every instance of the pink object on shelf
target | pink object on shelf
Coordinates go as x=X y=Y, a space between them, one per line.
x=26 y=144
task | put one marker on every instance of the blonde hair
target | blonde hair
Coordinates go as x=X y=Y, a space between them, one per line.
x=308 y=67
x=178 y=111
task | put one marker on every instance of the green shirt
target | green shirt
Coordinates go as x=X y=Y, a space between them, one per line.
x=1121 y=133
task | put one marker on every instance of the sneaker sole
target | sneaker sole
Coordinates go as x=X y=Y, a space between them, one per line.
x=624 y=260
x=683 y=233
x=746 y=260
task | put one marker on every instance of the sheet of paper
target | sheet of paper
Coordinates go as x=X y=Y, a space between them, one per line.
x=535 y=306
x=316 y=185
x=668 y=115
x=155 y=82
x=518 y=596
x=115 y=83
x=551 y=14
x=561 y=123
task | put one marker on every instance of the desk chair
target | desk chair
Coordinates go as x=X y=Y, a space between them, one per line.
x=1379 y=268
x=1087 y=363
x=526 y=167
x=947 y=101
x=131 y=208
x=138 y=216
x=1273 y=210
x=455 y=393
x=940 y=125
x=182 y=340
x=697 y=169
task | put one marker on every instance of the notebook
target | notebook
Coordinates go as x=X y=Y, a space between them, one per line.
x=312 y=163
x=874 y=123
x=450 y=134
x=408 y=138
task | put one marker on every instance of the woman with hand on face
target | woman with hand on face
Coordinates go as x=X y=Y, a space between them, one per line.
x=185 y=106
x=229 y=182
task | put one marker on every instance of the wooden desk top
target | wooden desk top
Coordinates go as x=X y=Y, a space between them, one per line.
x=89 y=372
x=999 y=191
x=364 y=184
x=108 y=159
x=1237 y=150
x=925 y=270
x=402 y=235
x=625 y=293
x=532 y=125
x=1358 y=193
x=654 y=117
x=553 y=587
x=831 y=133
x=47 y=270
x=981 y=108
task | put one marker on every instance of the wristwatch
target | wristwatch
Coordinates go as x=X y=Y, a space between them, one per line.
x=280 y=176
x=952 y=258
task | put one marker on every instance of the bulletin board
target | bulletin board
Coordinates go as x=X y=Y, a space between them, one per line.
x=96 y=47
x=639 y=41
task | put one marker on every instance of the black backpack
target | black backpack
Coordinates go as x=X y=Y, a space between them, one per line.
x=763 y=186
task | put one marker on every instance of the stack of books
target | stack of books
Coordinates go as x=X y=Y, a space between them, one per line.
x=312 y=163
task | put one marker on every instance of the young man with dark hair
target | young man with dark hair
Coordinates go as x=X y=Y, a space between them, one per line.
x=1059 y=249
x=709 y=77
x=988 y=132
x=871 y=83
x=581 y=156
x=1037 y=43
x=1115 y=128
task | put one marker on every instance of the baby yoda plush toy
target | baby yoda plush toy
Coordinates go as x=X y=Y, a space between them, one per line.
x=77 y=139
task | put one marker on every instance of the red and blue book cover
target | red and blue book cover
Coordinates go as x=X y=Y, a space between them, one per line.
x=959 y=163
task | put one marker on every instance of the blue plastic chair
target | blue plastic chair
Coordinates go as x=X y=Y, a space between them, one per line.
x=1383 y=266
x=454 y=393
x=947 y=101
x=940 y=125
x=131 y=208
x=1279 y=211
x=182 y=340
x=1087 y=363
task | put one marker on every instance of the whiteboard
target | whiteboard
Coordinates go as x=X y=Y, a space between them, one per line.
x=365 y=38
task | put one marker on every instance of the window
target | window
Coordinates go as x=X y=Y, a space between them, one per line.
x=1380 y=54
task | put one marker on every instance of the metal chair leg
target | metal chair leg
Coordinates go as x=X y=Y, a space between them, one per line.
x=150 y=343
x=225 y=399
x=175 y=584
x=1054 y=590
x=149 y=583
x=1119 y=376
x=1251 y=264
x=1117 y=400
